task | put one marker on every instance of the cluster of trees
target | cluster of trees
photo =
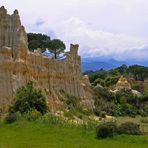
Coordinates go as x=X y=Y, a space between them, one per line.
x=108 y=78
x=121 y=103
x=56 y=46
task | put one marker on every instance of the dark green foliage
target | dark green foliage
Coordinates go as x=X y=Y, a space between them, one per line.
x=102 y=114
x=129 y=128
x=111 y=80
x=137 y=86
x=128 y=96
x=109 y=129
x=28 y=98
x=123 y=69
x=138 y=72
x=128 y=103
x=10 y=118
x=128 y=109
x=144 y=96
x=106 y=94
x=56 y=46
x=103 y=92
x=104 y=101
x=114 y=73
x=101 y=74
x=110 y=108
x=120 y=104
x=123 y=102
x=70 y=101
x=105 y=130
x=96 y=111
x=32 y=115
x=43 y=41
x=98 y=81
x=37 y=41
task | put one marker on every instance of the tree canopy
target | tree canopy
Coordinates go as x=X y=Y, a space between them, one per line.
x=55 y=46
x=37 y=40
x=138 y=72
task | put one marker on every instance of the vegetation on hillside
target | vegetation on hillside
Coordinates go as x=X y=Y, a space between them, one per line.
x=109 y=78
x=46 y=129
x=122 y=102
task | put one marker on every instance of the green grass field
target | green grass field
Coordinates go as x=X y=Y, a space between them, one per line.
x=25 y=134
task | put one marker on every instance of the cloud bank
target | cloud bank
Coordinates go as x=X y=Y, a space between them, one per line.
x=96 y=43
x=103 y=28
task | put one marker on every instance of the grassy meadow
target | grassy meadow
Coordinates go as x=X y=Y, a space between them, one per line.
x=25 y=134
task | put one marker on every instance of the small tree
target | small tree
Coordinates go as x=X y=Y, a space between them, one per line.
x=129 y=128
x=28 y=98
x=105 y=130
x=56 y=46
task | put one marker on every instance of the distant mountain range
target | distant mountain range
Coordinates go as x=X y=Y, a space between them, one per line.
x=107 y=64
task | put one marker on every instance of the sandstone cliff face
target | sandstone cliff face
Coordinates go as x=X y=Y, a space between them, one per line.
x=18 y=66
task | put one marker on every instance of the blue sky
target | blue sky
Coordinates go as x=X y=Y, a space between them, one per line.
x=103 y=28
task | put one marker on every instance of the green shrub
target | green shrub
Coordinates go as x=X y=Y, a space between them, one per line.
x=111 y=80
x=96 y=111
x=109 y=107
x=122 y=100
x=68 y=114
x=28 y=98
x=85 y=111
x=98 y=81
x=146 y=108
x=52 y=119
x=105 y=130
x=129 y=128
x=31 y=115
x=102 y=114
x=10 y=118
x=142 y=113
x=70 y=101
x=144 y=120
x=128 y=109
x=104 y=93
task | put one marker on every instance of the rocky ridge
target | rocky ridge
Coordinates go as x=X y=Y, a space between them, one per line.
x=18 y=66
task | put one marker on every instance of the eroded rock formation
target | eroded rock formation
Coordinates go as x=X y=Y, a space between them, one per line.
x=18 y=66
x=123 y=84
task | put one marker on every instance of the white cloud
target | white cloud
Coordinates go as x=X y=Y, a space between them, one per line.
x=116 y=28
x=98 y=43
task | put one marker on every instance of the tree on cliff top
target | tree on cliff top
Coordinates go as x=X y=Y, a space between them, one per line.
x=56 y=47
x=37 y=40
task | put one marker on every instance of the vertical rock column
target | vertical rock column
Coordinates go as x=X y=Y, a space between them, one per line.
x=11 y=30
